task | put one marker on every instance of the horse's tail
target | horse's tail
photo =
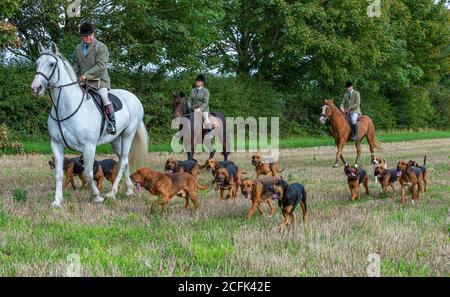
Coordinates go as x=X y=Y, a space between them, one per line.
x=139 y=147
x=373 y=141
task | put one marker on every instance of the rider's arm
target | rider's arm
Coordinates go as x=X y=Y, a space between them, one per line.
x=101 y=63
x=342 y=102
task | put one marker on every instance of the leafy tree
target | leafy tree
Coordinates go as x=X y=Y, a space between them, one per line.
x=8 y=32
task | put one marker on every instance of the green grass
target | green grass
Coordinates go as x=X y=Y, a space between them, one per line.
x=43 y=147
x=121 y=238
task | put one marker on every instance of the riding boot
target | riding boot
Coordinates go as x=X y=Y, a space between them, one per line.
x=111 y=127
x=355 y=132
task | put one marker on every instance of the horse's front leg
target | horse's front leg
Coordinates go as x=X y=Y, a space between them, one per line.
x=58 y=152
x=341 y=151
x=336 y=163
x=339 y=154
x=89 y=156
x=123 y=167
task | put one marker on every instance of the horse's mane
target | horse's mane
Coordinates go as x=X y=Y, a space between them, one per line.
x=333 y=106
x=67 y=65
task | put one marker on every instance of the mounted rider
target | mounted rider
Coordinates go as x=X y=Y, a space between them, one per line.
x=91 y=61
x=199 y=100
x=351 y=105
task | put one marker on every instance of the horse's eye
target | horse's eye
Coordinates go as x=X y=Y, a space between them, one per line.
x=52 y=64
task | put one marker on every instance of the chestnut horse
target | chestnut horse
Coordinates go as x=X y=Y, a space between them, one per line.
x=341 y=131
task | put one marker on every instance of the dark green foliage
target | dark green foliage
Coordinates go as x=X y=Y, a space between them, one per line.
x=273 y=58
x=20 y=110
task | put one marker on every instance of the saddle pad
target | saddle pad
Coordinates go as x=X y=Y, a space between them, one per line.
x=117 y=104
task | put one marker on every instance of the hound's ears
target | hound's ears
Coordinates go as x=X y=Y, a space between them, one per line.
x=174 y=94
x=41 y=48
x=182 y=95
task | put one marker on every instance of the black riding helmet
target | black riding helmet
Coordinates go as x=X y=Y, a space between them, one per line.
x=86 y=28
x=201 y=78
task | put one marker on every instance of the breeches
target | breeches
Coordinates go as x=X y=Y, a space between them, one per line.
x=103 y=92
x=353 y=117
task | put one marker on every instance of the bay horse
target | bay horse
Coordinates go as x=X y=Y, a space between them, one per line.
x=74 y=122
x=341 y=131
x=180 y=109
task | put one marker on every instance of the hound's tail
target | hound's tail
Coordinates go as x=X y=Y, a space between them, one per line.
x=425 y=160
x=279 y=171
x=139 y=147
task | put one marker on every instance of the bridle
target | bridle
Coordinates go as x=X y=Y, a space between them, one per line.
x=325 y=108
x=48 y=78
x=51 y=86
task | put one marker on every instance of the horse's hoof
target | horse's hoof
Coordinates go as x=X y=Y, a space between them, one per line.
x=356 y=165
x=336 y=165
x=129 y=192
x=56 y=204
x=97 y=199
x=111 y=194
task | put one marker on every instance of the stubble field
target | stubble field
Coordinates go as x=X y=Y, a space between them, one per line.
x=121 y=238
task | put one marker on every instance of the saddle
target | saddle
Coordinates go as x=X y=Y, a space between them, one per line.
x=117 y=104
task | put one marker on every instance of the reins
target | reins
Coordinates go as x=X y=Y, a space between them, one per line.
x=51 y=86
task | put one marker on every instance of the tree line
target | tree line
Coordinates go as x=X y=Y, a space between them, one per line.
x=300 y=51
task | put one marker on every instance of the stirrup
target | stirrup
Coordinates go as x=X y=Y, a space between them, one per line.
x=110 y=129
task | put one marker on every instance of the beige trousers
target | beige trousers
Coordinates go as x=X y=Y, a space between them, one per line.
x=103 y=92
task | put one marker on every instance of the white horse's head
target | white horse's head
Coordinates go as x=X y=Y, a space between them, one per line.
x=47 y=70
